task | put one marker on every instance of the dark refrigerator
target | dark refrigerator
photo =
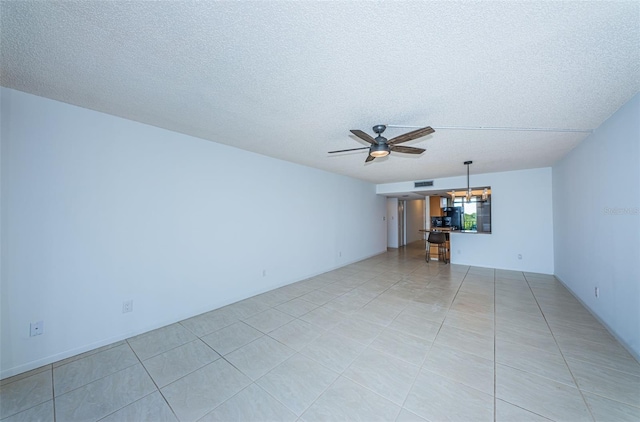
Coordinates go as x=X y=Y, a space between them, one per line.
x=452 y=218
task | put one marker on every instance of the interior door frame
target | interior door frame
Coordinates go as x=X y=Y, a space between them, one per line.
x=402 y=223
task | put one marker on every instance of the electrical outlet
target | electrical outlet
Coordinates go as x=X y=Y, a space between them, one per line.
x=597 y=292
x=264 y=273
x=340 y=254
x=519 y=256
x=127 y=306
x=37 y=328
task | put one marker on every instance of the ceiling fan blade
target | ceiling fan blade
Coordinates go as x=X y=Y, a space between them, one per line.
x=409 y=136
x=369 y=158
x=407 y=150
x=345 y=150
x=360 y=134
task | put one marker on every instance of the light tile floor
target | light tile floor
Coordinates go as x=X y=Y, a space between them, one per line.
x=390 y=338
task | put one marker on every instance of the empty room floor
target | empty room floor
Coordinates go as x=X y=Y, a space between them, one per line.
x=390 y=338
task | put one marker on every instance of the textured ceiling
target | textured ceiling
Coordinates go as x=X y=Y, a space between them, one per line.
x=289 y=79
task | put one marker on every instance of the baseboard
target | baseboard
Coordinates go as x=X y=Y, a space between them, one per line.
x=604 y=324
x=17 y=370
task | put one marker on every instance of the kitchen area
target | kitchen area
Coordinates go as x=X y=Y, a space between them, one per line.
x=496 y=242
x=462 y=211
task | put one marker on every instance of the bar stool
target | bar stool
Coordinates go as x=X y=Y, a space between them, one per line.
x=440 y=239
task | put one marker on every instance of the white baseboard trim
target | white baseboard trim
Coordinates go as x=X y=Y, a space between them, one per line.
x=633 y=353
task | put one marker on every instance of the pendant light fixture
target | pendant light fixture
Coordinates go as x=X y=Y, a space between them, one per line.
x=468 y=194
x=467 y=163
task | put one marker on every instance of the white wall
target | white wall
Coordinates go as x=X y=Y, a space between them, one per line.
x=392 y=223
x=521 y=220
x=415 y=220
x=596 y=204
x=427 y=214
x=97 y=210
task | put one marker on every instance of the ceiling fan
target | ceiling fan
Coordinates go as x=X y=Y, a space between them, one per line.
x=381 y=146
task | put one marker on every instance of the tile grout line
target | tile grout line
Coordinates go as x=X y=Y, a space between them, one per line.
x=98 y=379
x=5 y=417
x=518 y=369
x=433 y=341
x=367 y=346
x=401 y=407
x=340 y=374
x=53 y=394
x=153 y=381
x=560 y=349
x=237 y=393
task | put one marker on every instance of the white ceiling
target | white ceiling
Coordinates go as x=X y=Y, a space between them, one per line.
x=289 y=79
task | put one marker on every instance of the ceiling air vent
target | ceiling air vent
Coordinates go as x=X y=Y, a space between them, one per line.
x=424 y=184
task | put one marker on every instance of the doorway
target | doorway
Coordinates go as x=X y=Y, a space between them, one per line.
x=402 y=227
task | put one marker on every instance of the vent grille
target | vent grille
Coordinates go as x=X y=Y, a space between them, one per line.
x=424 y=184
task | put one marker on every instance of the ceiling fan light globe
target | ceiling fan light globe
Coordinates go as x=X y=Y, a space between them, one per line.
x=379 y=154
x=379 y=150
